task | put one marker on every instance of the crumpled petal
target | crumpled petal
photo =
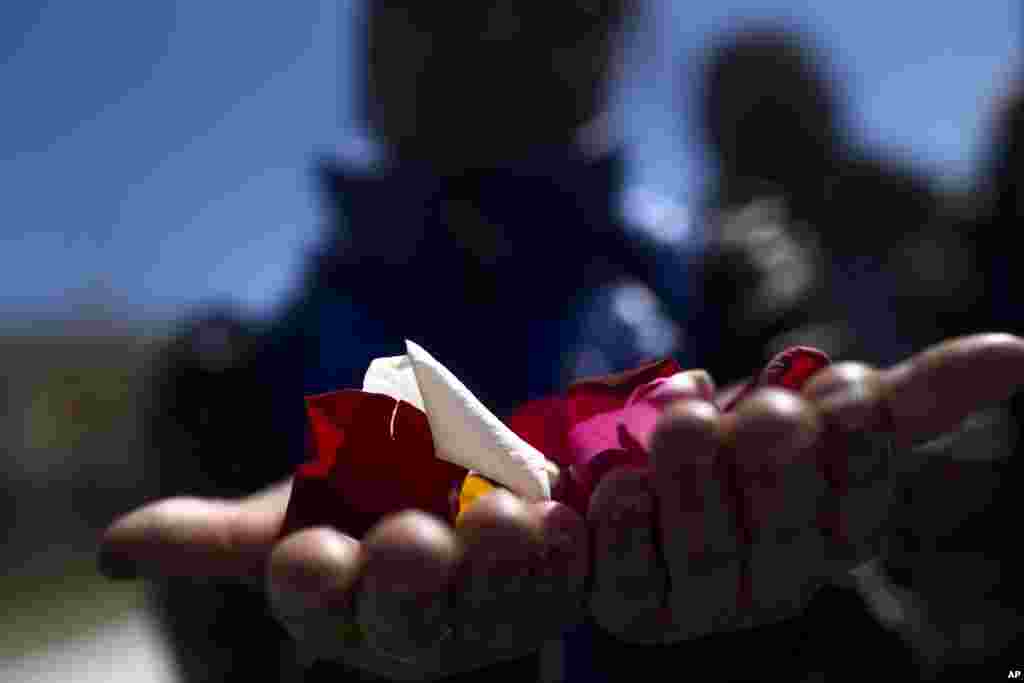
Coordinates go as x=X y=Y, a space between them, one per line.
x=790 y=369
x=374 y=457
x=394 y=376
x=595 y=408
x=408 y=439
x=647 y=403
x=466 y=433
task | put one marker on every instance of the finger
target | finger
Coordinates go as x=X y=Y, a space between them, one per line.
x=698 y=537
x=564 y=559
x=403 y=599
x=774 y=439
x=931 y=392
x=501 y=543
x=630 y=580
x=311 y=579
x=936 y=389
x=769 y=432
x=195 y=537
x=856 y=455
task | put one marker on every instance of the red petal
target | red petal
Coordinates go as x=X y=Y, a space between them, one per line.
x=790 y=369
x=544 y=424
x=793 y=367
x=328 y=436
x=383 y=462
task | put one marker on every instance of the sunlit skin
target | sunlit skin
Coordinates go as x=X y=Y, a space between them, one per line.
x=509 y=561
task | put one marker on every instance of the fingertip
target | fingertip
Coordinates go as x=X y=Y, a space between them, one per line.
x=775 y=421
x=934 y=390
x=835 y=379
x=705 y=384
x=313 y=564
x=849 y=394
x=1001 y=342
x=496 y=510
x=138 y=541
x=687 y=431
x=410 y=551
x=696 y=384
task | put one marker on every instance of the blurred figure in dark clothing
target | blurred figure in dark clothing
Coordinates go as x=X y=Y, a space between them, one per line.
x=876 y=235
x=963 y=511
x=820 y=241
x=485 y=229
x=999 y=213
x=485 y=226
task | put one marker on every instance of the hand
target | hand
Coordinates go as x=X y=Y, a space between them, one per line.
x=428 y=600
x=738 y=500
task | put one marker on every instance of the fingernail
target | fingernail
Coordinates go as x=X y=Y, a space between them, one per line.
x=705 y=384
x=116 y=568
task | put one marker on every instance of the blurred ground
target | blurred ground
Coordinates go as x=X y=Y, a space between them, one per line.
x=75 y=626
x=68 y=402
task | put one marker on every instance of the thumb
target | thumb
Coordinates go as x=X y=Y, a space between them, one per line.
x=196 y=537
x=933 y=391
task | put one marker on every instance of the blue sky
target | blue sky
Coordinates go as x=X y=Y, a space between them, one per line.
x=159 y=154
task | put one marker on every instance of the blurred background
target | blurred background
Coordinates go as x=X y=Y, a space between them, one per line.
x=159 y=158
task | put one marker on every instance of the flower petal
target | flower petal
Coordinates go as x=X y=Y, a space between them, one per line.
x=595 y=407
x=790 y=369
x=467 y=434
x=394 y=377
x=645 y=405
x=375 y=456
x=544 y=423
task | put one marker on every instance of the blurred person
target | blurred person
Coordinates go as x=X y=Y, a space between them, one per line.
x=961 y=510
x=821 y=240
x=852 y=230
x=910 y=403
x=407 y=263
x=484 y=224
x=999 y=212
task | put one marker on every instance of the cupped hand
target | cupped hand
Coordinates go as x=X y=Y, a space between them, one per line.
x=743 y=515
x=414 y=599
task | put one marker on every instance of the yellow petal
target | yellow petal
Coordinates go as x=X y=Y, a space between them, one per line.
x=473 y=487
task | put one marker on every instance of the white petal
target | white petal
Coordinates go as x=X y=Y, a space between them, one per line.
x=394 y=377
x=467 y=434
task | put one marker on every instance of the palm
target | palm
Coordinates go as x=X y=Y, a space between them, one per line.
x=491 y=577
